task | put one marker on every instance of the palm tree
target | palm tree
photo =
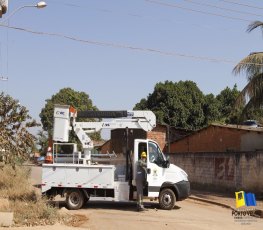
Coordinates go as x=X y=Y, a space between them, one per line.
x=252 y=65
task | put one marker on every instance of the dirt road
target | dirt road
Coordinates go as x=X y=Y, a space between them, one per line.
x=188 y=214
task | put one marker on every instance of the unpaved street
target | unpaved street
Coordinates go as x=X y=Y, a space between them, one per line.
x=188 y=214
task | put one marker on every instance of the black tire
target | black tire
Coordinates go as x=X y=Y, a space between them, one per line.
x=75 y=199
x=167 y=199
x=86 y=199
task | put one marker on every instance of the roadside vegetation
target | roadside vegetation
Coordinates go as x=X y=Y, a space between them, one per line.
x=17 y=194
x=23 y=199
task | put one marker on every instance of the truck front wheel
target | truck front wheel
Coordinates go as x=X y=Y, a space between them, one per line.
x=167 y=199
x=75 y=199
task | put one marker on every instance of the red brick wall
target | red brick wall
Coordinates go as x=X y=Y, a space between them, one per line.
x=211 y=139
x=117 y=142
x=158 y=134
x=106 y=147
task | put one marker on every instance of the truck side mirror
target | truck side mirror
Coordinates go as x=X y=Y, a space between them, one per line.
x=167 y=162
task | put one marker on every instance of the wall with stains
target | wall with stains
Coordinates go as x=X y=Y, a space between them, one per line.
x=232 y=171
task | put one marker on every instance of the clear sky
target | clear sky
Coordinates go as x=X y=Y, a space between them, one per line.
x=115 y=75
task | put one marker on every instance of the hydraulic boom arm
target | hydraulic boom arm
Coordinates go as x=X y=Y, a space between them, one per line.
x=65 y=120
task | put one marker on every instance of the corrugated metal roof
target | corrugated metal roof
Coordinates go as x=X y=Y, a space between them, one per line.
x=237 y=127
x=240 y=127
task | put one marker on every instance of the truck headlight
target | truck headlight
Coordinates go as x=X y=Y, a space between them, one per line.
x=184 y=174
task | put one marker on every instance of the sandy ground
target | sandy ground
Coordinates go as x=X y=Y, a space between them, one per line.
x=187 y=215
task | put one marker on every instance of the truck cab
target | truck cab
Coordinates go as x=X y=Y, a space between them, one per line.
x=165 y=181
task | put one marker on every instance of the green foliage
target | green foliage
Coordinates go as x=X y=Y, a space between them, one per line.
x=42 y=142
x=16 y=141
x=211 y=109
x=182 y=104
x=227 y=98
x=251 y=65
x=228 y=112
x=177 y=104
x=66 y=96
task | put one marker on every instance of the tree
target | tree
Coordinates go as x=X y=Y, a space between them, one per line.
x=182 y=104
x=3 y=7
x=66 y=96
x=16 y=141
x=42 y=141
x=227 y=99
x=211 y=109
x=176 y=104
x=252 y=66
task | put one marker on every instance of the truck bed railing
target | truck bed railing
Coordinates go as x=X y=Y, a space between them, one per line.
x=75 y=157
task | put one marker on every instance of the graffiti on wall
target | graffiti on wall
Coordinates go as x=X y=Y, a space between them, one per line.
x=224 y=168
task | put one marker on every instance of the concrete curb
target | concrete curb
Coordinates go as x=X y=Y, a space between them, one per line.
x=211 y=202
x=6 y=219
x=258 y=212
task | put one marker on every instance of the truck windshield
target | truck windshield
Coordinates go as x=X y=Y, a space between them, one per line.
x=155 y=154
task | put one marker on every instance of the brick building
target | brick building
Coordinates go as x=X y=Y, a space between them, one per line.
x=220 y=138
x=117 y=143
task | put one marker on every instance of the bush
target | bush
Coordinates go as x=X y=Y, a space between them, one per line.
x=29 y=208
x=14 y=184
x=31 y=213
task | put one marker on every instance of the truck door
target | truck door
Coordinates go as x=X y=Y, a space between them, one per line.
x=139 y=147
x=155 y=169
x=155 y=162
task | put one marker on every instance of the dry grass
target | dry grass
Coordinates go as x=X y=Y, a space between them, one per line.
x=32 y=213
x=29 y=208
x=15 y=185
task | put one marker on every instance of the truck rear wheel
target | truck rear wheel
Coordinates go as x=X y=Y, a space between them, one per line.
x=75 y=199
x=167 y=199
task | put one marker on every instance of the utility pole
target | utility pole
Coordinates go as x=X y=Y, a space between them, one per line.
x=3 y=7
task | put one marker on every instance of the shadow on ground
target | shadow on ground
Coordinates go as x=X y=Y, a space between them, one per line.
x=123 y=206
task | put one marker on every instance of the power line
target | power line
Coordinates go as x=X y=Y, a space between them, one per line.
x=177 y=6
x=141 y=16
x=197 y=11
x=141 y=49
x=241 y=4
x=222 y=8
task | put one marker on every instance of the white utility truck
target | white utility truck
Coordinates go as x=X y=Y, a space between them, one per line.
x=79 y=177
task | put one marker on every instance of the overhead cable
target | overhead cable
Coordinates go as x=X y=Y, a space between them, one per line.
x=241 y=4
x=121 y=46
x=197 y=11
x=223 y=8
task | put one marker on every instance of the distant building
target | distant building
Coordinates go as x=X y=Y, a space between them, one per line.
x=162 y=134
x=220 y=138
